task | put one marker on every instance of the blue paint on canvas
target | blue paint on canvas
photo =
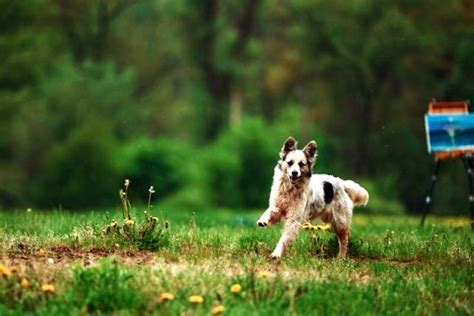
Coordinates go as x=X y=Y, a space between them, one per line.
x=449 y=132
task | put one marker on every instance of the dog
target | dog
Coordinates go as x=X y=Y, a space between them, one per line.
x=298 y=196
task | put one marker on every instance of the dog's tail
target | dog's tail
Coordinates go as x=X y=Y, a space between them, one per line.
x=358 y=194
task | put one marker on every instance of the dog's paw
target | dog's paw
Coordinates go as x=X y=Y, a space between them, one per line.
x=264 y=220
x=275 y=256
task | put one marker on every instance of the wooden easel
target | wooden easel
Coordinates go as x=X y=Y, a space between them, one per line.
x=467 y=156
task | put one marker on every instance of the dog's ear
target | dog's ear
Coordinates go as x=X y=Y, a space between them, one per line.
x=311 y=150
x=288 y=145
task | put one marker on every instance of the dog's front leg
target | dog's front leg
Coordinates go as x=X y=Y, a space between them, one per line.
x=273 y=214
x=290 y=232
x=269 y=217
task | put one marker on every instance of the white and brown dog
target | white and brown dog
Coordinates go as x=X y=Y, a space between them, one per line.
x=299 y=196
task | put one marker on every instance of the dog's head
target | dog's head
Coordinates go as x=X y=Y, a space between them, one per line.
x=297 y=163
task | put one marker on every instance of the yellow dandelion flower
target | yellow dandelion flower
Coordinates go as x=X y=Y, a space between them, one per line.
x=309 y=226
x=263 y=274
x=48 y=288
x=217 y=310
x=324 y=227
x=41 y=252
x=196 y=299
x=235 y=288
x=25 y=283
x=306 y=226
x=165 y=297
x=129 y=222
x=5 y=271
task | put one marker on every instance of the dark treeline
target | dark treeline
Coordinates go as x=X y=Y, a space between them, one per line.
x=195 y=97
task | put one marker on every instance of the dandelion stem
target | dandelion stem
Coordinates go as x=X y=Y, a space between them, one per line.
x=151 y=190
x=149 y=201
x=124 y=203
x=129 y=207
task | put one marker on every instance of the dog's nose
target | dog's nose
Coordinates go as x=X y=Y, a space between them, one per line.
x=294 y=173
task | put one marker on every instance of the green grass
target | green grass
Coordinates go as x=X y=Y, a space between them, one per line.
x=394 y=266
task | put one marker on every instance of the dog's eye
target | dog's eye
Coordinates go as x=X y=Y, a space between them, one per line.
x=302 y=164
x=290 y=162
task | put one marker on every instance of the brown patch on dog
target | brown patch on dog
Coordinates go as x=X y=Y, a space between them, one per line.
x=289 y=195
x=275 y=217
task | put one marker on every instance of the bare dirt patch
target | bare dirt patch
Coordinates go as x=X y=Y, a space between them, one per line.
x=60 y=255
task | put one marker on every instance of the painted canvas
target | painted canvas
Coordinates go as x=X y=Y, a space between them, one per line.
x=449 y=132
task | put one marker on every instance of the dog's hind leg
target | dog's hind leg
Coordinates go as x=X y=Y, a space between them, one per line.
x=342 y=234
x=290 y=232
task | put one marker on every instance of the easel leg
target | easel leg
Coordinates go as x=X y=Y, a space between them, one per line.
x=428 y=199
x=469 y=165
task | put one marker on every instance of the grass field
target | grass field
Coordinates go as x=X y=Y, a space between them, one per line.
x=394 y=266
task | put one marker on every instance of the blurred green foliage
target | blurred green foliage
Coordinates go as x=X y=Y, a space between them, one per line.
x=195 y=97
x=160 y=162
x=78 y=173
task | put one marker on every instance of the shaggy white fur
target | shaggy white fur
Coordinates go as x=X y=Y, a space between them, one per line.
x=298 y=196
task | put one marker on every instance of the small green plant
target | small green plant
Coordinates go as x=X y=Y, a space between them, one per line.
x=148 y=233
x=106 y=288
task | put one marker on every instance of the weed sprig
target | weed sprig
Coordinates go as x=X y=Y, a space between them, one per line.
x=149 y=233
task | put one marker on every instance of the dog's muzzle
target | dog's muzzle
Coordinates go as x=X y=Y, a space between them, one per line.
x=294 y=178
